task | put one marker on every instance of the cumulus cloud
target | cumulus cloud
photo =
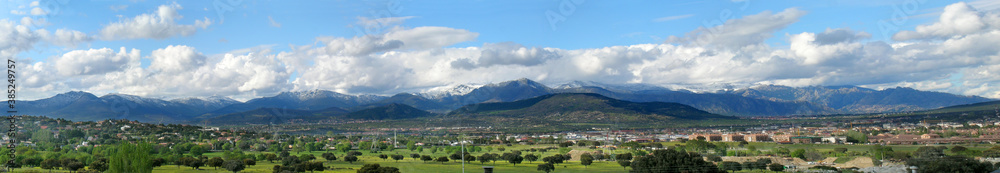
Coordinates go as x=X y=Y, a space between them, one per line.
x=737 y=33
x=175 y=59
x=38 y=11
x=159 y=25
x=507 y=53
x=65 y=37
x=15 y=39
x=95 y=61
x=957 y=19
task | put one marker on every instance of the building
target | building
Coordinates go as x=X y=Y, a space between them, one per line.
x=805 y=139
x=757 y=138
x=834 y=140
x=732 y=137
x=708 y=137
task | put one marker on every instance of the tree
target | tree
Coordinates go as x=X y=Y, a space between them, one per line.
x=132 y=158
x=249 y=162
x=376 y=168
x=441 y=159
x=351 y=159
x=157 y=162
x=315 y=166
x=426 y=158
x=776 y=167
x=411 y=145
x=290 y=161
x=548 y=167
x=949 y=164
x=197 y=150
x=234 y=165
x=800 y=153
x=195 y=163
x=586 y=159
x=307 y=157
x=625 y=164
x=50 y=164
x=215 y=162
x=397 y=157
x=329 y=156
x=672 y=161
x=731 y=166
x=486 y=157
x=958 y=149
x=515 y=159
x=840 y=150
x=74 y=166
x=99 y=165
x=415 y=156
x=271 y=157
x=928 y=152
x=383 y=156
x=530 y=157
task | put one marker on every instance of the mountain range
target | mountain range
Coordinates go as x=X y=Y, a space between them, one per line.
x=764 y=100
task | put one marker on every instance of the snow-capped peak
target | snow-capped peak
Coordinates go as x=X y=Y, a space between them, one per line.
x=449 y=90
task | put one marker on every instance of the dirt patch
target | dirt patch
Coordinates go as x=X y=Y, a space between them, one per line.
x=577 y=153
x=859 y=162
x=774 y=159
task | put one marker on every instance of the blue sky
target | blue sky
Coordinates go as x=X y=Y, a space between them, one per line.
x=245 y=49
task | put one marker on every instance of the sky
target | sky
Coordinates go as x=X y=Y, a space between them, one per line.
x=245 y=49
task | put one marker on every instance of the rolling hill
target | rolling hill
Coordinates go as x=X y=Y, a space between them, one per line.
x=585 y=108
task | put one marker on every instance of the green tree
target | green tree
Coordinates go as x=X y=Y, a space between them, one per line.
x=530 y=157
x=442 y=159
x=215 y=162
x=376 y=168
x=426 y=158
x=547 y=167
x=351 y=159
x=197 y=150
x=397 y=157
x=949 y=164
x=132 y=158
x=586 y=159
x=731 y=166
x=673 y=161
x=799 y=153
x=411 y=145
x=234 y=165
x=776 y=167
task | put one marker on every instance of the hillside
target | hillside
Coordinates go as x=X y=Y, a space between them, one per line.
x=585 y=107
x=390 y=111
x=852 y=99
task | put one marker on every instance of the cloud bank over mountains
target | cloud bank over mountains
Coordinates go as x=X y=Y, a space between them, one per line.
x=957 y=54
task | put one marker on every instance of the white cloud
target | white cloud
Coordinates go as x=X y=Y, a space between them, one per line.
x=738 y=33
x=507 y=53
x=65 y=37
x=118 y=7
x=38 y=11
x=669 y=18
x=95 y=61
x=273 y=23
x=159 y=25
x=175 y=59
x=15 y=39
x=33 y=4
x=28 y=21
x=15 y=12
x=957 y=19
x=428 y=37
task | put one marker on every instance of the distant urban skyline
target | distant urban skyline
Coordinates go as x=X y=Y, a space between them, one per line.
x=248 y=49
